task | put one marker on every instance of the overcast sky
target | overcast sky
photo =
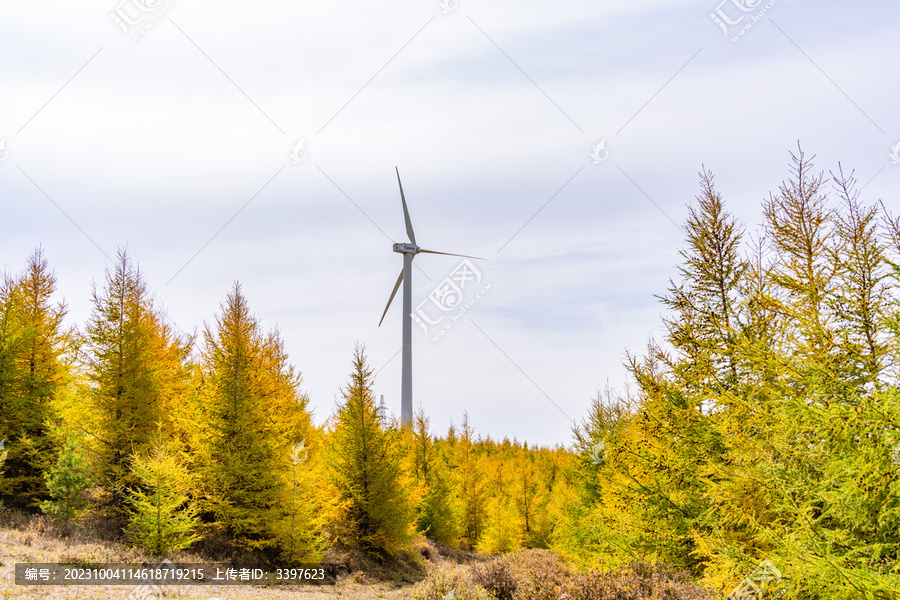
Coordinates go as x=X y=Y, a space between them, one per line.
x=256 y=141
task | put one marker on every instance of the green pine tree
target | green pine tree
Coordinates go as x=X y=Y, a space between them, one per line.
x=365 y=470
x=66 y=482
x=162 y=517
x=250 y=413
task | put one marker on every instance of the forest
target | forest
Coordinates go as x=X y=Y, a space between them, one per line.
x=765 y=426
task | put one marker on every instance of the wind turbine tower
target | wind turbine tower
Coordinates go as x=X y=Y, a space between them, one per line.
x=409 y=251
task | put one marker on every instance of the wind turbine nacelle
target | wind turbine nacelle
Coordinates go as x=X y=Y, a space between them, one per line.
x=406 y=248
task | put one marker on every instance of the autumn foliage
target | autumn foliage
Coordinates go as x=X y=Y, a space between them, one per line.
x=765 y=425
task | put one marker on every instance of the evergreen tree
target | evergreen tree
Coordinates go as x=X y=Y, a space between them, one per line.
x=162 y=518
x=530 y=498
x=704 y=325
x=435 y=515
x=861 y=295
x=9 y=336
x=244 y=455
x=365 y=469
x=136 y=372
x=32 y=374
x=800 y=226
x=67 y=481
x=469 y=484
x=501 y=530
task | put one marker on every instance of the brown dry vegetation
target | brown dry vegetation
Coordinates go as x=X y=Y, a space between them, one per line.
x=425 y=571
x=36 y=539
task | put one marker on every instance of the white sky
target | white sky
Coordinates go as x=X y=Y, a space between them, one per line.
x=177 y=145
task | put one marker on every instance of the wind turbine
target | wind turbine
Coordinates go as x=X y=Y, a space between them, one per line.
x=409 y=252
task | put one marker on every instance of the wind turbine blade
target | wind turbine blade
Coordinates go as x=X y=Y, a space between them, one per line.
x=409 y=229
x=391 y=299
x=449 y=254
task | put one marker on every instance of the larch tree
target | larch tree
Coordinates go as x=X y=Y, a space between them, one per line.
x=135 y=371
x=530 y=497
x=704 y=323
x=501 y=530
x=162 y=518
x=672 y=440
x=66 y=481
x=10 y=337
x=469 y=484
x=800 y=225
x=300 y=528
x=861 y=299
x=765 y=426
x=33 y=373
x=435 y=515
x=365 y=461
x=242 y=445
x=296 y=452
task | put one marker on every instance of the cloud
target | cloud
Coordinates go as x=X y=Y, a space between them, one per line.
x=178 y=146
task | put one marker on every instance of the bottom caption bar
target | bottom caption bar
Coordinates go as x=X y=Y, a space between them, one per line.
x=167 y=573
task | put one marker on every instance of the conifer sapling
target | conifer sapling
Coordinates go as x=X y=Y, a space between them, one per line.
x=66 y=482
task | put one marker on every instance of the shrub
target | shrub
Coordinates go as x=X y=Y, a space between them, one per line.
x=447 y=584
x=539 y=574
x=496 y=577
x=640 y=580
x=524 y=574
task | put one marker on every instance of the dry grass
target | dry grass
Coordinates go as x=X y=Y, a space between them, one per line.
x=424 y=572
x=35 y=539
